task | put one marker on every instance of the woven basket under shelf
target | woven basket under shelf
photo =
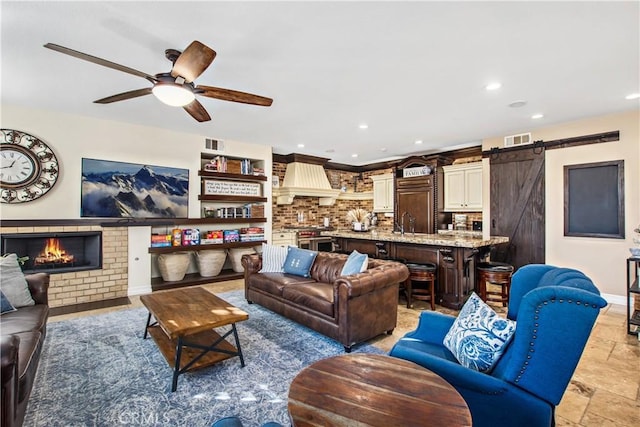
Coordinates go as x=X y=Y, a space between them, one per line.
x=174 y=266
x=210 y=262
x=235 y=255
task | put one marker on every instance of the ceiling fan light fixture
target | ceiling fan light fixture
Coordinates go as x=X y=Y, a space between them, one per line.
x=173 y=94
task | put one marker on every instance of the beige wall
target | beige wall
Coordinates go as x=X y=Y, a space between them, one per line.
x=601 y=259
x=74 y=137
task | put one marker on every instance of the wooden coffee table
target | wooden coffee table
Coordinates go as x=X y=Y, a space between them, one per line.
x=373 y=390
x=184 y=328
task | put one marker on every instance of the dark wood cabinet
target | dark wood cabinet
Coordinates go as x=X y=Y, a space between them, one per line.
x=363 y=246
x=415 y=197
x=455 y=276
x=415 y=253
x=421 y=196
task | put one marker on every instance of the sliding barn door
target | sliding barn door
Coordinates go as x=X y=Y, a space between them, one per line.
x=517 y=205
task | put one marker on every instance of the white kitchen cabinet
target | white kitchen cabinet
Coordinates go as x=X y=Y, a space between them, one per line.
x=463 y=187
x=383 y=192
x=284 y=238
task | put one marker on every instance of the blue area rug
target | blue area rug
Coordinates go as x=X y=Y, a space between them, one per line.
x=98 y=371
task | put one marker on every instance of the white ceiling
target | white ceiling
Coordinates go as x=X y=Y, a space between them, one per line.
x=411 y=70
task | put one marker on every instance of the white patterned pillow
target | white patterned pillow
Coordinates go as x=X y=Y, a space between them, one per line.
x=273 y=258
x=479 y=336
x=12 y=282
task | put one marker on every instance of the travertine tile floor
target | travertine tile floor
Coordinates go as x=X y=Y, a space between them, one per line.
x=604 y=391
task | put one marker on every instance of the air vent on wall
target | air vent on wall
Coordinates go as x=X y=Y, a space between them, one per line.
x=214 y=144
x=515 y=140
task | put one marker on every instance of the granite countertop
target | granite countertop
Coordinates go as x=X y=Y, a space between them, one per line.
x=462 y=240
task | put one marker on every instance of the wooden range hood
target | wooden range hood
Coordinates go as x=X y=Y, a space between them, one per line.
x=305 y=179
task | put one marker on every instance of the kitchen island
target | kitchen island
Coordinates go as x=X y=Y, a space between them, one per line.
x=455 y=254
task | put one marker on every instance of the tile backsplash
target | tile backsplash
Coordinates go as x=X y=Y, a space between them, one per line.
x=313 y=213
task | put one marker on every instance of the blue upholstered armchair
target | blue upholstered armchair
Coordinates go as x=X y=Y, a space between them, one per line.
x=554 y=309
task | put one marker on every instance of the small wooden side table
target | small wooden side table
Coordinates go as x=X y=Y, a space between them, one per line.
x=373 y=390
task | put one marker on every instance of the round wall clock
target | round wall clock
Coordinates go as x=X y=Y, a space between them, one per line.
x=28 y=167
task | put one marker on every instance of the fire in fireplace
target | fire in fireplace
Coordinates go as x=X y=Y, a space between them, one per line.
x=56 y=252
x=53 y=253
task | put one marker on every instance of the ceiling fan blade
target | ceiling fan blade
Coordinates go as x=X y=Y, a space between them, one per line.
x=123 y=96
x=197 y=111
x=99 y=61
x=233 y=95
x=193 y=61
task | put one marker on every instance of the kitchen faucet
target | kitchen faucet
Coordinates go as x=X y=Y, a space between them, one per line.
x=411 y=222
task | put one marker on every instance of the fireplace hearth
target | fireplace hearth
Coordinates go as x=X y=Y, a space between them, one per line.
x=56 y=252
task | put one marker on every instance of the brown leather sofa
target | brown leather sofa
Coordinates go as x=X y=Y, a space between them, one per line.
x=22 y=335
x=349 y=309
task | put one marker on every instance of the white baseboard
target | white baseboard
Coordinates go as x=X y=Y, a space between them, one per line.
x=139 y=290
x=615 y=299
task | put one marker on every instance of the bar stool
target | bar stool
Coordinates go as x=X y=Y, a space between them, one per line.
x=496 y=273
x=425 y=273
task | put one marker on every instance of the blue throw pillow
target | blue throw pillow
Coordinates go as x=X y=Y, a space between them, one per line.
x=356 y=263
x=5 y=304
x=479 y=336
x=299 y=261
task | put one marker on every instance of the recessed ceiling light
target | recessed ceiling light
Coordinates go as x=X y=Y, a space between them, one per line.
x=364 y=126
x=383 y=149
x=518 y=104
x=493 y=86
x=300 y=145
x=418 y=142
x=632 y=96
x=354 y=155
x=537 y=116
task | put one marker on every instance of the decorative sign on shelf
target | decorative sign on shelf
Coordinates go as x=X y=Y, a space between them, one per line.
x=417 y=171
x=230 y=188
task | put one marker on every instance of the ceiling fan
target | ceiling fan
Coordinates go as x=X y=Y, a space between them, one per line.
x=177 y=87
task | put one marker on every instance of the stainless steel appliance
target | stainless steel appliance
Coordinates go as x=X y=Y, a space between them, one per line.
x=312 y=240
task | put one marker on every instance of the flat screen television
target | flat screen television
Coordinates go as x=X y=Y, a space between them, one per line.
x=131 y=190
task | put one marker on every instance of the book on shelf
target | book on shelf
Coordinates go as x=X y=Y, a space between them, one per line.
x=247 y=211
x=252 y=230
x=251 y=234
x=231 y=236
x=160 y=240
x=190 y=236
x=251 y=237
x=212 y=237
x=237 y=166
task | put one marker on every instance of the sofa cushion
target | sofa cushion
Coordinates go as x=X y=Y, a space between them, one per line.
x=327 y=267
x=5 y=304
x=315 y=296
x=28 y=354
x=273 y=258
x=478 y=336
x=12 y=282
x=273 y=283
x=299 y=261
x=32 y=318
x=356 y=263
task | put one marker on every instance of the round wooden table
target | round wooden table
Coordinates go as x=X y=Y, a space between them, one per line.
x=373 y=390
